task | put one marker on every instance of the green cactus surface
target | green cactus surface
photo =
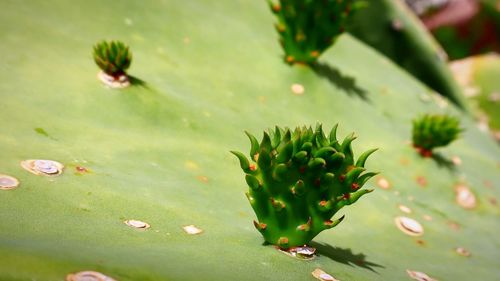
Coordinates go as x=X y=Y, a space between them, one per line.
x=112 y=57
x=431 y=131
x=390 y=27
x=307 y=28
x=158 y=153
x=299 y=180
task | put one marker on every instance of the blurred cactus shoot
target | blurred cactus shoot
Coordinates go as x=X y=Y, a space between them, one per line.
x=113 y=58
x=308 y=27
x=431 y=131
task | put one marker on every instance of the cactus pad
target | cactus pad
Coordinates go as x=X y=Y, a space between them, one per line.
x=112 y=57
x=298 y=181
x=308 y=28
x=431 y=131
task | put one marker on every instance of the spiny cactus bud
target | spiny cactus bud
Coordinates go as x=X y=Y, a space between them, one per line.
x=299 y=181
x=307 y=28
x=431 y=131
x=112 y=57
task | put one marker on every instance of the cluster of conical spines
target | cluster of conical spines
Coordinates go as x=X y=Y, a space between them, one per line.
x=431 y=131
x=299 y=179
x=112 y=57
x=307 y=28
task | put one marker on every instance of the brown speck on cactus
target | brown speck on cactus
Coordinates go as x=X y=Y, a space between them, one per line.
x=80 y=170
x=88 y=276
x=113 y=58
x=8 y=182
x=422 y=181
x=294 y=169
x=454 y=225
x=203 y=179
x=409 y=226
x=43 y=167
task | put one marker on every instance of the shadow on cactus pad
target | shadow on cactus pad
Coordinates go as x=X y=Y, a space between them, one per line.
x=345 y=256
x=299 y=180
x=346 y=83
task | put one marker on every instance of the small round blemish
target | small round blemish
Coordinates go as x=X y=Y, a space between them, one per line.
x=456 y=160
x=409 y=226
x=192 y=230
x=493 y=201
x=419 y=276
x=137 y=224
x=43 y=167
x=462 y=251
x=383 y=183
x=8 y=182
x=422 y=181
x=427 y=217
x=88 y=276
x=297 y=89
x=453 y=225
x=404 y=209
x=464 y=197
x=203 y=179
x=322 y=276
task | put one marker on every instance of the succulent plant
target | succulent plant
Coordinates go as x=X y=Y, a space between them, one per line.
x=307 y=28
x=431 y=131
x=298 y=180
x=112 y=57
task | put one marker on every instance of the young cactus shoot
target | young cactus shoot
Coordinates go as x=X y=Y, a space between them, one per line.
x=307 y=28
x=431 y=131
x=113 y=58
x=298 y=181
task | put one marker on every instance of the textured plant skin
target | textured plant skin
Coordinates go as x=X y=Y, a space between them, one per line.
x=112 y=57
x=299 y=180
x=307 y=28
x=431 y=131
x=146 y=149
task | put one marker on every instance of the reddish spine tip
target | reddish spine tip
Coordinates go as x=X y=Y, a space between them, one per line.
x=355 y=186
x=302 y=169
x=317 y=182
x=347 y=196
x=341 y=178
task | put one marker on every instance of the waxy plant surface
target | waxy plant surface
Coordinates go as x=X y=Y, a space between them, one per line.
x=158 y=152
